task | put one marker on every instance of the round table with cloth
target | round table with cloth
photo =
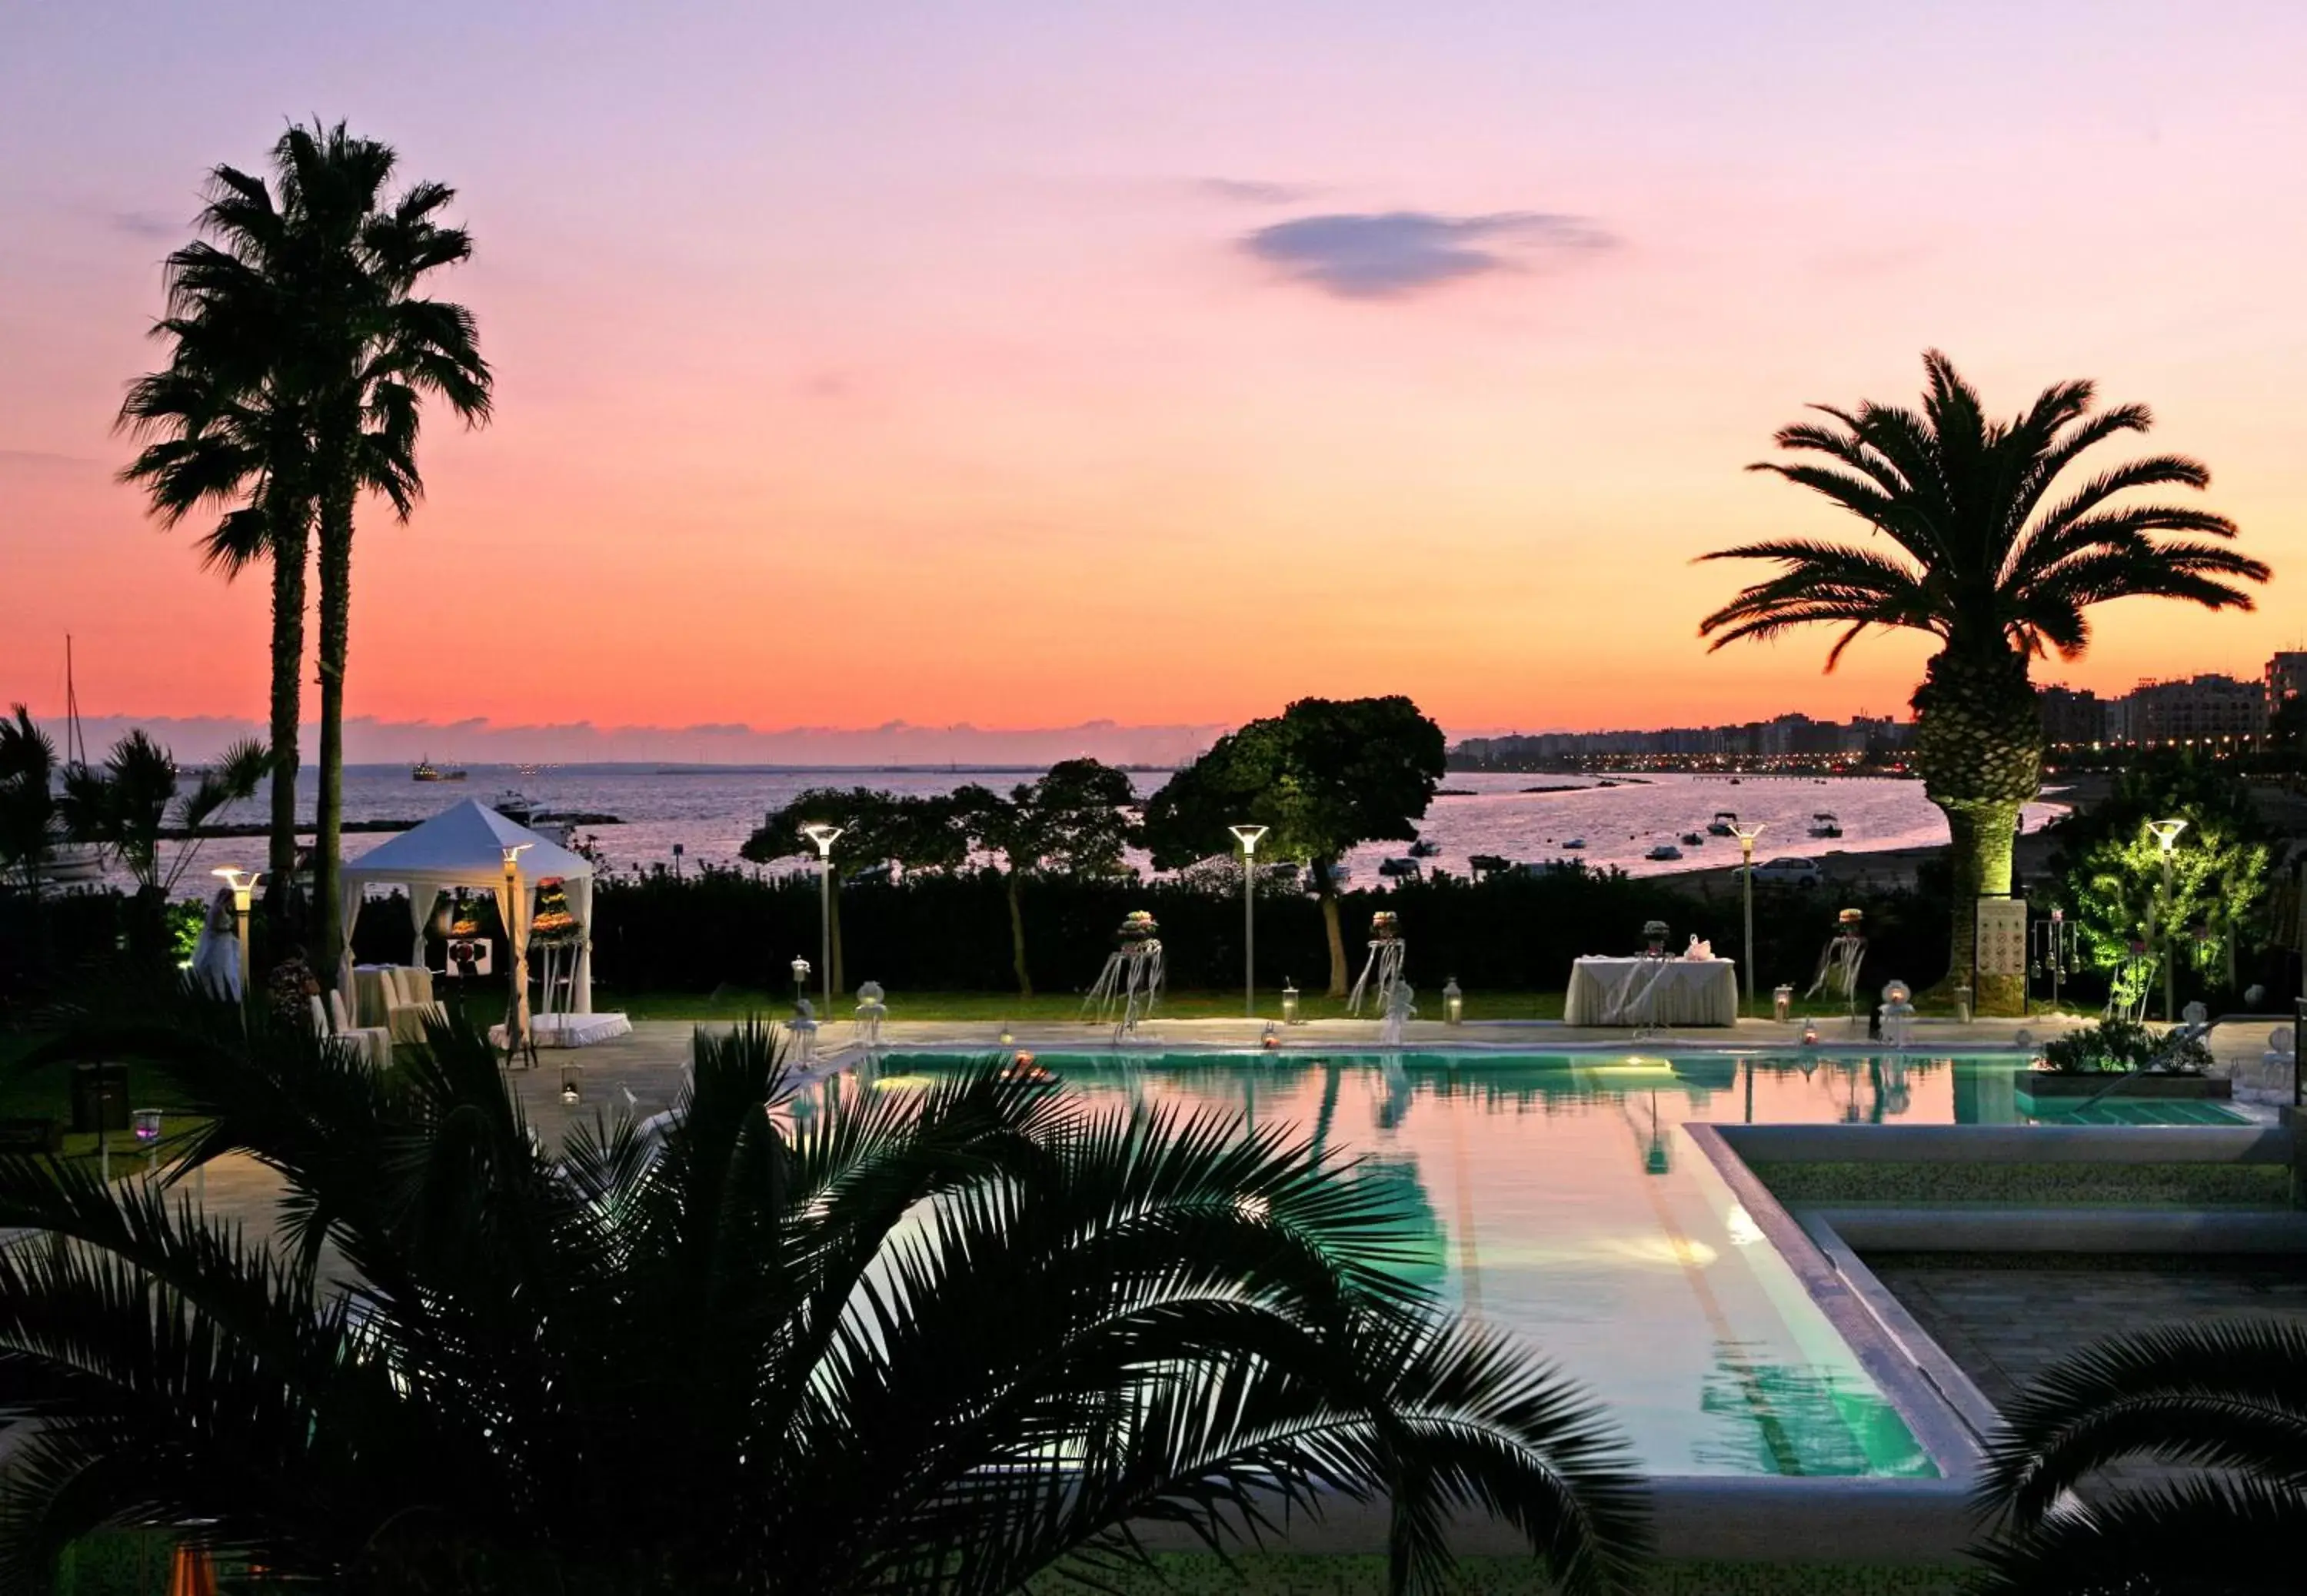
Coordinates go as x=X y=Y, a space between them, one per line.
x=369 y=1006
x=1652 y=992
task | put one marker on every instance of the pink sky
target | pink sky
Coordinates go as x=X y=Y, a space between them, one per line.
x=923 y=365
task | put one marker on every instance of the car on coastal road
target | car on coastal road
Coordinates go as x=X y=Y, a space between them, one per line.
x=1790 y=872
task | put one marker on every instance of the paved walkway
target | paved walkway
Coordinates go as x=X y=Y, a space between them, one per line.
x=2006 y=1320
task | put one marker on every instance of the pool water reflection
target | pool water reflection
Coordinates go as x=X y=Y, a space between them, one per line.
x=1561 y=1197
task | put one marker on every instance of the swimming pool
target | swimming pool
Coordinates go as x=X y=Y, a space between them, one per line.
x=1563 y=1198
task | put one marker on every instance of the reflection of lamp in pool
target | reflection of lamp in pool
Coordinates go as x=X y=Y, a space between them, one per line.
x=1394 y=1107
x=1891 y=1094
x=1656 y=1159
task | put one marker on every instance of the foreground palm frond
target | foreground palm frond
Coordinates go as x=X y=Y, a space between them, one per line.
x=937 y=1341
x=2229 y=1397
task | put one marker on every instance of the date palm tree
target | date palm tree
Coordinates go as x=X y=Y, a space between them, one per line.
x=373 y=351
x=227 y=430
x=926 y=1341
x=2226 y=1399
x=1993 y=549
x=302 y=356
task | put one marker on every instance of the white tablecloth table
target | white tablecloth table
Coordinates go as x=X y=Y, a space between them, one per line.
x=1688 y=992
x=368 y=991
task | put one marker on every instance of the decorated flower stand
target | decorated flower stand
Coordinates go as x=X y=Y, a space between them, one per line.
x=1388 y=951
x=871 y=1011
x=1131 y=984
x=1839 y=962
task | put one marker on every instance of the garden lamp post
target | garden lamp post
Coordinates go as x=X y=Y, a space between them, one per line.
x=2166 y=838
x=825 y=836
x=243 y=883
x=1249 y=836
x=1746 y=833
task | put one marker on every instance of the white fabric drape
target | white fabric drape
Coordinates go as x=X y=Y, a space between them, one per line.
x=513 y=908
x=350 y=904
x=420 y=911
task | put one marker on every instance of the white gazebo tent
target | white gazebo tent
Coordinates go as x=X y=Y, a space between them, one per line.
x=467 y=846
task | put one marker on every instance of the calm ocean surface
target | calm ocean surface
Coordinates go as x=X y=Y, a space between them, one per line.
x=711 y=811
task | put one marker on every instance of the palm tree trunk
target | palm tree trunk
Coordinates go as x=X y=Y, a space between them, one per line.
x=336 y=620
x=1327 y=891
x=1015 y=890
x=290 y=548
x=1978 y=742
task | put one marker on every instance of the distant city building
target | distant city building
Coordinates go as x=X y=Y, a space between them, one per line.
x=1784 y=737
x=2285 y=680
x=2201 y=706
x=2073 y=716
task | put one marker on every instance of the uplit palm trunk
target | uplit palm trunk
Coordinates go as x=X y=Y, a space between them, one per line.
x=1978 y=741
x=289 y=550
x=1327 y=890
x=1015 y=884
x=336 y=619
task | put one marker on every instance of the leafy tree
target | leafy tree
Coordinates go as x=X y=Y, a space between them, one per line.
x=1074 y=821
x=916 y=832
x=2220 y=1401
x=303 y=355
x=127 y=805
x=1990 y=555
x=1322 y=776
x=2111 y=867
x=931 y=1342
x=30 y=824
x=2218 y=881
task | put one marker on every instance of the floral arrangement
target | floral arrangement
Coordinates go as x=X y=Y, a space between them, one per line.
x=1386 y=925
x=464 y=920
x=2122 y=1046
x=555 y=921
x=1654 y=936
x=1850 y=919
x=1137 y=925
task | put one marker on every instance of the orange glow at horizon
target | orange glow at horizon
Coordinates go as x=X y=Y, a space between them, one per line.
x=870 y=407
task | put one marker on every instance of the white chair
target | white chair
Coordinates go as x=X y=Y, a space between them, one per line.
x=374 y=1042
x=407 y=1012
x=373 y=1045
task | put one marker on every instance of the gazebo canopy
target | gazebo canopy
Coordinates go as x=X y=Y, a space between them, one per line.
x=464 y=846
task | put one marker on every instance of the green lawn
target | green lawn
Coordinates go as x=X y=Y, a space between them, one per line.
x=44 y=1091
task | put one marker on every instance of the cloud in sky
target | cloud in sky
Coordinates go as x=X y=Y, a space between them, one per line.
x=1255 y=191
x=1392 y=254
x=147 y=224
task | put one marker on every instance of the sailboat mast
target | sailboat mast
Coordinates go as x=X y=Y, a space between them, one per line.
x=75 y=744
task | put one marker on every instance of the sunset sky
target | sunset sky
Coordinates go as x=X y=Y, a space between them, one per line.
x=1030 y=364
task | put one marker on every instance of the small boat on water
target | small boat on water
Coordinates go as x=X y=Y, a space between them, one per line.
x=1423 y=849
x=1725 y=823
x=1574 y=843
x=1664 y=850
x=425 y=770
x=1693 y=839
x=70 y=865
x=1401 y=870
x=1824 y=825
